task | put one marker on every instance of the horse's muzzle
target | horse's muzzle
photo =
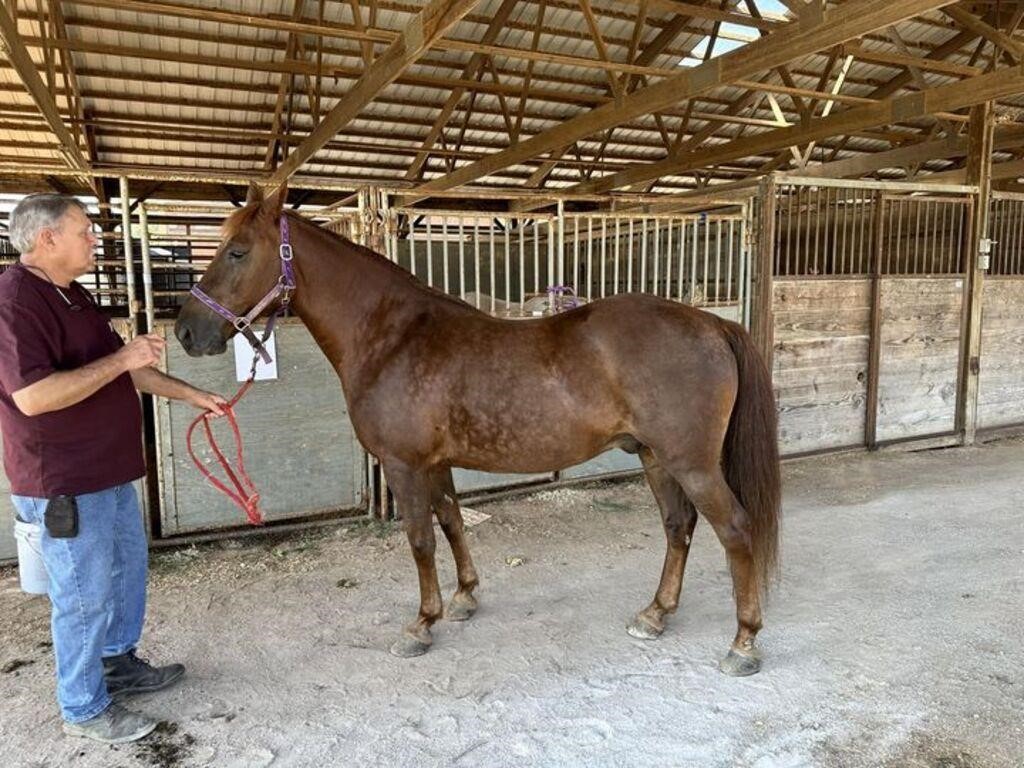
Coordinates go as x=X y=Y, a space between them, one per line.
x=198 y=338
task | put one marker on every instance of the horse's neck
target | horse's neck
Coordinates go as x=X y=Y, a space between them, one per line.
x=343 y=294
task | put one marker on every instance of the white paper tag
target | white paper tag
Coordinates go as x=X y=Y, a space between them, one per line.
x=244 y=353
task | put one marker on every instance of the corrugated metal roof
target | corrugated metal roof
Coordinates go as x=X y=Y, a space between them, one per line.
x=189 y=74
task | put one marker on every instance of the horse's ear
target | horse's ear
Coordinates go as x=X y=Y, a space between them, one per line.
x=277 y=199
x=255 y=193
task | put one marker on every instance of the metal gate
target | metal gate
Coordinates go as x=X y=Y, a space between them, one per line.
x=867 y=305
x=918 y=310
x=1001 y=375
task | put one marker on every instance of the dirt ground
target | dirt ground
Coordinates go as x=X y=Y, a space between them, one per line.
x=893 y=640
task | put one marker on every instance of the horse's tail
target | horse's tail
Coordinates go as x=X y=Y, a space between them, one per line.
x=751 y=452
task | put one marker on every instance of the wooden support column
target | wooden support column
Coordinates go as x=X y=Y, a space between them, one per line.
x=979 y=173
x=762 y=321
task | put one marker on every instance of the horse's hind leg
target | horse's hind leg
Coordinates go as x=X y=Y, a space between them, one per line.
x=446 y=507
x=707 y=488
x=412 y=489
x=679 y=518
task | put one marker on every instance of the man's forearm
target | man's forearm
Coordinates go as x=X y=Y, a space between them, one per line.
x=154 y=382
x=66 y=388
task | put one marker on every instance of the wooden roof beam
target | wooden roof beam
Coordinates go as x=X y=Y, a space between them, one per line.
x=1002 y=83
x=850 y=20
x=854 y=167
x=19 y=57
x=283 y=87
x=969 y=21
x=713 y=14
x=432 y=22
x=896 y=60
x=333 y=31
x=470 y=71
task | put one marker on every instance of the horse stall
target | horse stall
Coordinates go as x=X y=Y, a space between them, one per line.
x=868 y=310
x=1001 y=375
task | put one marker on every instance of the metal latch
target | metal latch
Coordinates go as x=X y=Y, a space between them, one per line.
x=985 y=252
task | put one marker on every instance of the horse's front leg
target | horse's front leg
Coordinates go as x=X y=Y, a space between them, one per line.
x=446 y=507
x=412 y=488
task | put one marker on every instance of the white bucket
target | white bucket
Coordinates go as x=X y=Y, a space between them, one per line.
x=31 y=568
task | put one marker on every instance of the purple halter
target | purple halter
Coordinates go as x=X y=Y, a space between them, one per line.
x=282 y=289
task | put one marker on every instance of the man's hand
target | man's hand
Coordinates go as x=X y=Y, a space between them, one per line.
x=142 y=352
x=206 y=401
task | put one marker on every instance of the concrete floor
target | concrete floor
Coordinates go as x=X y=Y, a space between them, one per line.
x=894 y=638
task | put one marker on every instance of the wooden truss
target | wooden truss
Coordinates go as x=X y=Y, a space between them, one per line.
x=569 y=98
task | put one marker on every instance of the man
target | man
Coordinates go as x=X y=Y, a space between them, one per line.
x=72 y=433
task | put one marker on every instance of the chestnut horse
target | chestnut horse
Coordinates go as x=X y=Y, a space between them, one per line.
x=432 y=383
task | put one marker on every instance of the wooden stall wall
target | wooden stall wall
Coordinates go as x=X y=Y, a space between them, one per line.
x=1001 y=378
x=921 y=327
x=820 y=362
x=1001 y=375
x=867 y=313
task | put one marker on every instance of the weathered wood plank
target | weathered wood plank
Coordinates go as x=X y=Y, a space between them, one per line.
x=920 y=353
x=1001 y=380
x=820 y=362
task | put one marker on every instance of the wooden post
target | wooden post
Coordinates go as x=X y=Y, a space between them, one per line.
x=370 y=233
x=979 y=173
x=762 y=321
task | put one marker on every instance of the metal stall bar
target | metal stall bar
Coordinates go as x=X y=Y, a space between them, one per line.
x=147 y=269
x=129 y=265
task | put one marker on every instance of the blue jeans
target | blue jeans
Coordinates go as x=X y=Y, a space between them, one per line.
x=97 y=590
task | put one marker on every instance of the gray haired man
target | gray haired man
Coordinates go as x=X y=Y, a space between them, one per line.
x=72 y=448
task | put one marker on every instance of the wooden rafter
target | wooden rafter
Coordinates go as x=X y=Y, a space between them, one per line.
x=335 y=31
x=940 y=53
x=525 y=92
x=511 y=89
x=41 y=95
x=861 y=165
x=367 y=45
x=432 y=22
x=582 y=90
x=917 y=77
x=903 y=61
x=969 y=21
x=848 y=21
x=650 y=52
x=72 y=92
x=284 y=86
x=471 y=70
x=713 y=14
x=965 y=93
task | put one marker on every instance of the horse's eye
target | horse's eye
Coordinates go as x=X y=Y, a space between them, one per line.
x=236 y=255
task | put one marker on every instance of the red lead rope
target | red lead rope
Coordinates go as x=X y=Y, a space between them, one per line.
x=245 y=496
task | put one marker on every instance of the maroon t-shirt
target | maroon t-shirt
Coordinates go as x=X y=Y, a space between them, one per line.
x=87 y=447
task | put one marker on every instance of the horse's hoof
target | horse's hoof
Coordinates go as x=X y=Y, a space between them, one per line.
x=740 y=664
x=460 y=608
x=407 y=646
x=642 y=629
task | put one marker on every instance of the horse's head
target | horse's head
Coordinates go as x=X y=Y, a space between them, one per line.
x=245 y=269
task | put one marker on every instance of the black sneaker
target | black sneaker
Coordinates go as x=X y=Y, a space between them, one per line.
x=114 y=725
x=128 y=674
